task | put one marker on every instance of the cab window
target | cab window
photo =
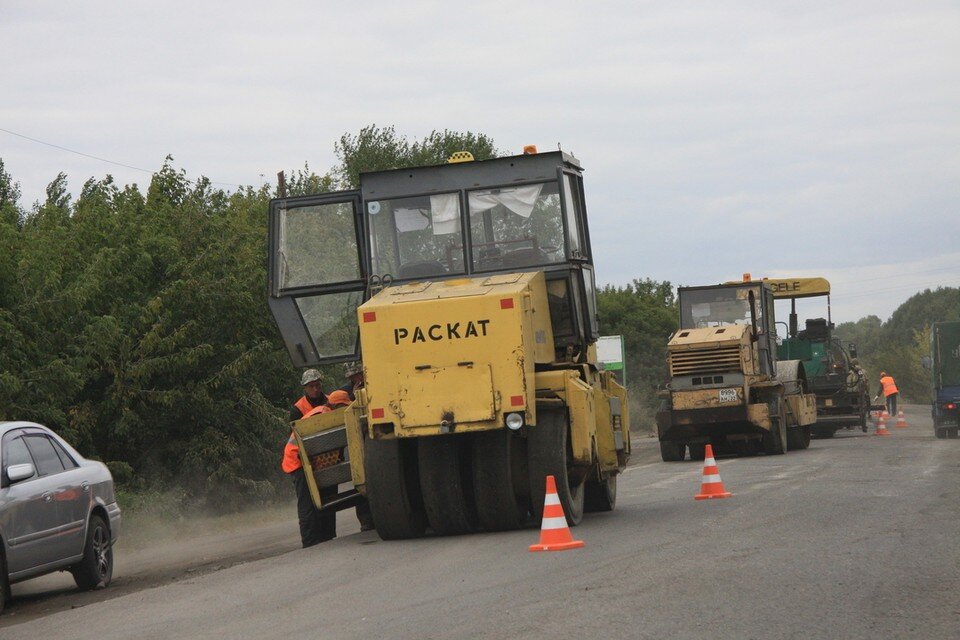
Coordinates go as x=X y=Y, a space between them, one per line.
x=516 y=227
x=416 y=237
x=317 y=245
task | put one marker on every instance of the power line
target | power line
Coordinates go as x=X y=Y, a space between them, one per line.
x=92 y=157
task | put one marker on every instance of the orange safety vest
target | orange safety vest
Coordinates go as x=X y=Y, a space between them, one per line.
x=291 y=456
x=889 y=386
x=304 y=405
x=319 y=409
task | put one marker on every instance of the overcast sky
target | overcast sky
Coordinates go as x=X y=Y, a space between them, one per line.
x=776 y=138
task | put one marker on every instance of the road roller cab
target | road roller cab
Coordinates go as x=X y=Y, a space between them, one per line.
x=468 y=290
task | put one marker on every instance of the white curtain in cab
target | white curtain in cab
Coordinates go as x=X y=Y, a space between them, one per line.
x=520 y=200
x=445 y=211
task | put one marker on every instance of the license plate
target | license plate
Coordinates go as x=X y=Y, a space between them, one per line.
x=728 y=395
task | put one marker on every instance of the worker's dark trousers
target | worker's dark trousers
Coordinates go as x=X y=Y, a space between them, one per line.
x=315 y=525
x=892 y=404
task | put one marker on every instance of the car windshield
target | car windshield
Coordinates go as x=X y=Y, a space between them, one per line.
x=718 y=307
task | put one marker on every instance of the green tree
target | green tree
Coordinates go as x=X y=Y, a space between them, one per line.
x=136 y=325
x=645 y=313
x=376 y=148
x=897 y=345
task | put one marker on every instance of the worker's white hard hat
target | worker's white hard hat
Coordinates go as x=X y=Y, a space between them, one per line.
x=310 y=375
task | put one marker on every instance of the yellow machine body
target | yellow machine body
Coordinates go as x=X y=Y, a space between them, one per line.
x=455 y=355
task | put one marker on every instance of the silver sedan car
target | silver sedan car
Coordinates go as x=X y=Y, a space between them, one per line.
x=58 y=511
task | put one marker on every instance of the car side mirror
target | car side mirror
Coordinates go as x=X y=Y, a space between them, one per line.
x=18 y=472
x=926 y=362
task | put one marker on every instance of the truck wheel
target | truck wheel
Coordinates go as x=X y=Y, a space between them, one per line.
x=393 y=489
x=600 y=496
x=672 y=451
x=500 y=480
x=96 y=567
x=697 y=451
x=798 y=438
x=547 y=456
x=446 y=484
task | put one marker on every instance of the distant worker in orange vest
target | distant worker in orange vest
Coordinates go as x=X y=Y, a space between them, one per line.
x=315 y=525
x=890 y=392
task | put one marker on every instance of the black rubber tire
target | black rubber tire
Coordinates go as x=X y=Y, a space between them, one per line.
x=698 y=451
x=446 y=484
x=798 y=438
x=940 y=432
x=96 y=567
x=824 y=433
x=600 y=496
x=547 y=455
x=671 y=451
x=393 y=488
x=500 y=480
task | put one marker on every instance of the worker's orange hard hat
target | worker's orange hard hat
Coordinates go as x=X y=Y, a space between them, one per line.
x=338 y=398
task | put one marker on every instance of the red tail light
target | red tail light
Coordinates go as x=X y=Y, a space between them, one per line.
x=950 y=405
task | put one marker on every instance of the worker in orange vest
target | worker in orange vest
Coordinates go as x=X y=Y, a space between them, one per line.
x=890 y=392
x=315 y=525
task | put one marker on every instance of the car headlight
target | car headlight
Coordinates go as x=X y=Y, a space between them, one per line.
x=514 y=421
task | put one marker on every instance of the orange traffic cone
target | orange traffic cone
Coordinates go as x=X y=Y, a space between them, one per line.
x=901 y=421
x=712 y=485
x=881 y=428
x=885 y=415
x=554 y=532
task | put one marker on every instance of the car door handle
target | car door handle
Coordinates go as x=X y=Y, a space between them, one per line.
x=85 y=485
x=47 y=497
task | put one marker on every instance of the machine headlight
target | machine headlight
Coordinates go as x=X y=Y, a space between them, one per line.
x=514 y=421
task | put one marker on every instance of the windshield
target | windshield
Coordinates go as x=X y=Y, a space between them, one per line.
x=516 y=227
x=416 y=237
x=718 y=307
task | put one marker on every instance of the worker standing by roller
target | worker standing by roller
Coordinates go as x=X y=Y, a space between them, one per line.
x=315 y=525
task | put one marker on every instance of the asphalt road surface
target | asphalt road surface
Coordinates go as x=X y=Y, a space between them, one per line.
x=856 y=537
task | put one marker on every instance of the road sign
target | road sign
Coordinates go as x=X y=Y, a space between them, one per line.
x=610 y=352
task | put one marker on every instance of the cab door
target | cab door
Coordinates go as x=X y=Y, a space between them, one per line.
x=317 y=275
